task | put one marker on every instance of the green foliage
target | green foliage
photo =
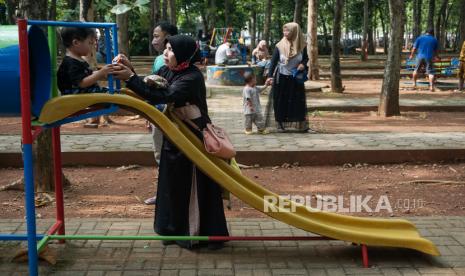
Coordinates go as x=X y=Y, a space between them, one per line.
x=124 y=8
x=190 y=14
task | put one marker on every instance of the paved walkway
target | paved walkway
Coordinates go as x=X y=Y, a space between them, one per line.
x=237 y=258
x=271 y=142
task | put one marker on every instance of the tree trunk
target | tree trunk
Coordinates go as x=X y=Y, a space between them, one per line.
x=203 y=16
x=298 y=11
x=164 y=11
x=10 y=8
x=385 y=32
x=3 y=14
x=266 y=29
x=123 y=39
x=71 y=4
x=371 y=44
x=253 y=28
x=53 y=10
x=86 y=10
x=172 y=11
x=416 y=29
x=389 y=99
x=461 y=34
x=325 y=32
x=86 y=13
x=336 y=80
x=211 y=15
x=155 y=18
x=36 y=9
x=227 y=13
x=431 y=8
x=312 y=40
x=366 y=20
x=439 y=24
x=42 y=153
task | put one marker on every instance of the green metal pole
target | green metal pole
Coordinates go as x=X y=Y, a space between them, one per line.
x=160 y=238
x=52 y=45
x=43 y=242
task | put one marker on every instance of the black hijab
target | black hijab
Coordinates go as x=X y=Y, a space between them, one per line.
x=185 y=49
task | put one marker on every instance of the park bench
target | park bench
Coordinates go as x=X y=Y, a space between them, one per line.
x=443 y=68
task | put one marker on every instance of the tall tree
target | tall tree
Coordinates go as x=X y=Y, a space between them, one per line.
x=53 y=10
x=86 y=10
x=164 y=10
x=123 y=38
x=416 y=28
x=2 y=13
x=154 y=19
x=366 y=29
x=371 y=44
x=384 y=28
x=267 y=25
x=389 y=98
x=440 y=24
x=431 y=10
x=227 y=13
x=325 y=33
x=253 y=28
x=10 y=9
x=312 y=40
x=172 y=11
x=461 y=32
x=211 y=15
x=33 y=9
x=298 y=9
x=42 y=147
x=336 y=80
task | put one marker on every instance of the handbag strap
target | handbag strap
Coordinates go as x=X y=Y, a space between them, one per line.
x=189 y=121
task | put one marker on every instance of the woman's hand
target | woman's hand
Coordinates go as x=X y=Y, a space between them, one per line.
x=301 y=67
x=122 y=59
x=269 y=81
x=122 y=72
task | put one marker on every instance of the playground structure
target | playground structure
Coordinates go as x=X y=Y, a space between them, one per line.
x=53 y=111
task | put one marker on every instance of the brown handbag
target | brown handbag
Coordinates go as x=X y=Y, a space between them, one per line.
x=215 y=139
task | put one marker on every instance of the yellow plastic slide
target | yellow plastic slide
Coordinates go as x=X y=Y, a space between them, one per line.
x=372 y=232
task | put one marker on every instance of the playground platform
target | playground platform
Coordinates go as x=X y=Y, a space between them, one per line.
x=332 y=258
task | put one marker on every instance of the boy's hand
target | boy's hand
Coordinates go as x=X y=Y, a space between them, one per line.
x=106 y=70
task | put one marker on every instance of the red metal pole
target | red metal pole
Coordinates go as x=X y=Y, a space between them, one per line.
x=25 y=83
x=365 y=256
x=60 y=213
x=267 y=238
x=54 y=228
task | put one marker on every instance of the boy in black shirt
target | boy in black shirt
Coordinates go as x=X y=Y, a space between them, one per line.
x=74 y=74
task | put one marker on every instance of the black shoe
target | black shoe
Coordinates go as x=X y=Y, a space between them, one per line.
x=167 y=242
x=215 y=245
x=280 y=128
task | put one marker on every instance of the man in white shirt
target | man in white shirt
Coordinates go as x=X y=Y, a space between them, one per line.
x=225 y=55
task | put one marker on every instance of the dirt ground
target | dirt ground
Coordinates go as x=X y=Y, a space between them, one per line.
x=113 y=192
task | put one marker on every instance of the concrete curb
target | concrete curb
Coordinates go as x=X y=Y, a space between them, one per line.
x=263 y=158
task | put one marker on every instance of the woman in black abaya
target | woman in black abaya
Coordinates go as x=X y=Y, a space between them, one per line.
x=188 y=202
x=287 y=95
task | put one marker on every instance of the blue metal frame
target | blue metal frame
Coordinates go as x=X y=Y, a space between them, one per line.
x=111 y=109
